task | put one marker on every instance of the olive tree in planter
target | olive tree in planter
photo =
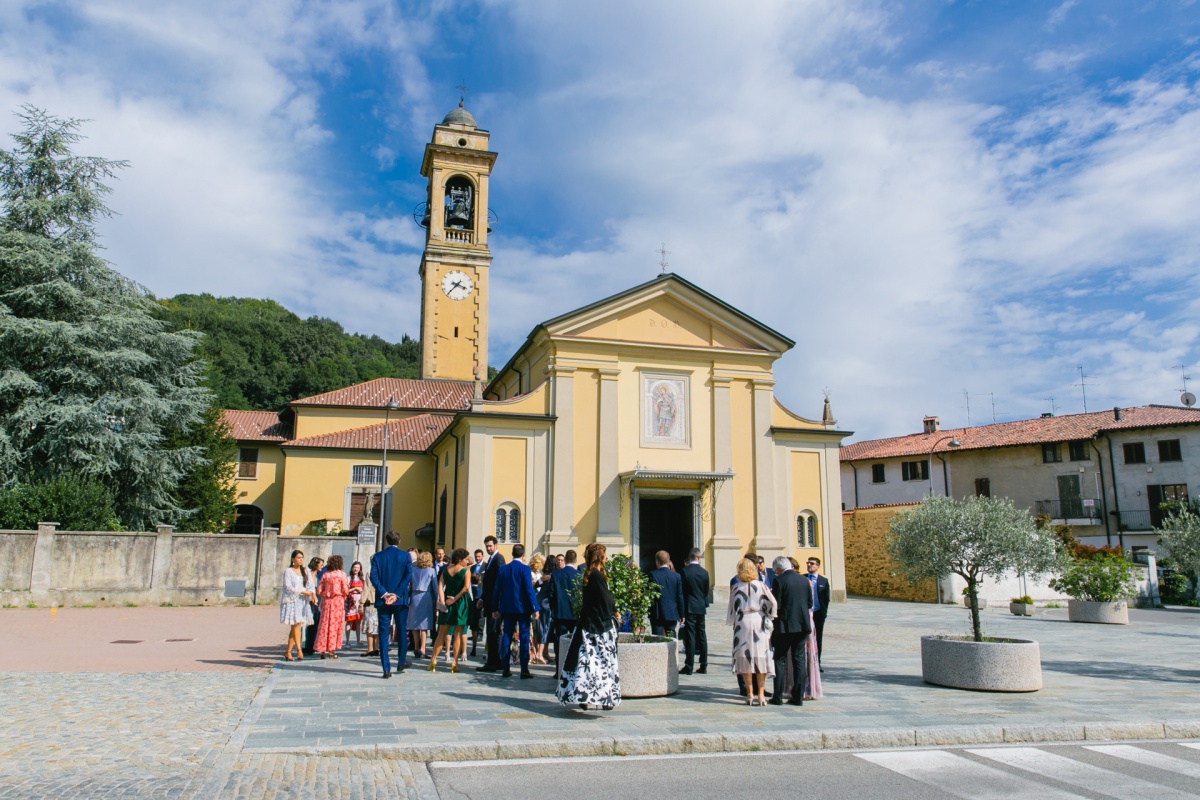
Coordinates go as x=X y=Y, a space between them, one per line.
x=974 y=538
x=1180 y=535
x=1098 y=583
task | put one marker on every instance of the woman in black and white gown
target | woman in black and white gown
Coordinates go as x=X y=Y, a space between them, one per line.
x=751 y=604
x=589 y=674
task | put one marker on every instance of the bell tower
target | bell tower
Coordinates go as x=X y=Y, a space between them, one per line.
x=454 y=266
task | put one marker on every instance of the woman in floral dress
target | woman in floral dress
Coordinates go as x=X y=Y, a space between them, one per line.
x=750 y=604
x=589 y=674
x=354 y=601
x=333 y=590
x=294 y=608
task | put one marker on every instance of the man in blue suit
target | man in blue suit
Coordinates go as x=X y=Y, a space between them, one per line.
x=562 y=581
x=391 y=576
x=667 y=610
x=515 y=600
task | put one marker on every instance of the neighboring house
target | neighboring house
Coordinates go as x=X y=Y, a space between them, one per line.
x=646 y=420
x=1104 y=473
x=259 y=474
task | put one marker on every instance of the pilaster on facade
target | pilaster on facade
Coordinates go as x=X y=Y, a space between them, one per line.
x=726 y=546
x=562 y=456
x=767 y=538
x=608 y=456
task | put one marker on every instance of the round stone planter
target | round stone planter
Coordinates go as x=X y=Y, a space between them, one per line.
x=1021 y=609
x=647 y=669
x=1002 y=665
x=1103 y=613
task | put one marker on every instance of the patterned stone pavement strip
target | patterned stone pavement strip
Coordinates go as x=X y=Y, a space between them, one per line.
x=284 y=777
x=101 y=735
x=1118 y=681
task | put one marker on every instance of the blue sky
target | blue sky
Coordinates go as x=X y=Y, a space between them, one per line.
x=927 y=196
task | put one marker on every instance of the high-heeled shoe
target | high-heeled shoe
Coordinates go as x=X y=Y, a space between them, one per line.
x=454 y=667
x=432 y=666
x=762 y=702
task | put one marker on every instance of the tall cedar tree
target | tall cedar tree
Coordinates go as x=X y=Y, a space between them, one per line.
x=91 y=383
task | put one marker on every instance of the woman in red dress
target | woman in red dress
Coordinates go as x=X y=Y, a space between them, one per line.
x=333 y=590
x=354 y=601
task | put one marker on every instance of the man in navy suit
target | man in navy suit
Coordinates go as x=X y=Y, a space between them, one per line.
x=562 y=580
x=491 y=571
x=515 y=600
x=820 y=598
x=391 y=577
x=695 y=606
x=793 y=597
x=667 y=609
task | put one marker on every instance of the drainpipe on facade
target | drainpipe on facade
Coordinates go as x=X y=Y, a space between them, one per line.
x=1116 y=494
x=1103 y=497
x=851 y=463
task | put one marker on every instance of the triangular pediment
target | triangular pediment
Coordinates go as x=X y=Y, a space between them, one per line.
x=668 y=311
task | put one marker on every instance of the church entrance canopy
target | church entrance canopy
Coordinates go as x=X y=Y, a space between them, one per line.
x=668 y=509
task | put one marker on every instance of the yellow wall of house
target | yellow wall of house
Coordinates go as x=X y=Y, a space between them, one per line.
x=805 y=469
x=587 y=447
x=317 y=420
x=266 y=489
x=448 y=480
x=315 y=488
x=508 y=476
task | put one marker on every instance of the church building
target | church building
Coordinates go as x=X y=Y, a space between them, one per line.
x=646 y=420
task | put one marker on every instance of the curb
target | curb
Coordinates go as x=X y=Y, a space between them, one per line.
x=864 y=738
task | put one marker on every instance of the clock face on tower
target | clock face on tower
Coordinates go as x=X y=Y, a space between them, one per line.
x=457 y=285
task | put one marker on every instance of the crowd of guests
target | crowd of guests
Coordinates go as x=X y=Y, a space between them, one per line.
x=429 y=604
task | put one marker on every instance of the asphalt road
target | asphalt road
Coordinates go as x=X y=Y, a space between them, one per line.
x=1158 y=770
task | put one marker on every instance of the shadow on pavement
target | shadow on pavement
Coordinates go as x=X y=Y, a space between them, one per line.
x=1123 y=671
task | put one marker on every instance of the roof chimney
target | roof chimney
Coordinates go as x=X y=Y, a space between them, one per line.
x=932 y=424
x=1047 y=414
x=1117 y=413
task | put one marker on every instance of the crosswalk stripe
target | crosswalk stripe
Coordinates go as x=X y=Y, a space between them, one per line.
x=1150 y=758
x=963 y=777
x=1086 y=776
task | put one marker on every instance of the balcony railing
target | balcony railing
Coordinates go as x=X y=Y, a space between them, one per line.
x=460 y=235
x=1135 y=521
x=1069 y=509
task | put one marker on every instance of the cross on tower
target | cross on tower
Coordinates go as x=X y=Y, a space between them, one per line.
x=663 y=252
x=462 y=93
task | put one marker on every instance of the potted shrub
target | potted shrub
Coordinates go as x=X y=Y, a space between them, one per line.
x=1021 y=606
x=974 y=538
x=1098 y=583
x=648 y=664
x=1180 y=537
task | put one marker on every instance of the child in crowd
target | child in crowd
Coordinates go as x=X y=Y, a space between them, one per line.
x=370 y=620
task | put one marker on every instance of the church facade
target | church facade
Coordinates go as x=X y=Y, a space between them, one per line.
x=646 y=420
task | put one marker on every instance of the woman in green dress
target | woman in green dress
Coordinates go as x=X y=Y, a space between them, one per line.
x=454 y=594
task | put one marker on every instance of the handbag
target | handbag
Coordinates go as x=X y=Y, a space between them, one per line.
x=768 y=625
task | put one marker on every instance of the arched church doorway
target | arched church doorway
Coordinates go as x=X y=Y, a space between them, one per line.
x=665 y=523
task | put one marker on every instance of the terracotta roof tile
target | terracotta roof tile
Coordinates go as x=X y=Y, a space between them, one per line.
x=1021 y=432
x=427 y=395
x=255 y=426
x=412 y=435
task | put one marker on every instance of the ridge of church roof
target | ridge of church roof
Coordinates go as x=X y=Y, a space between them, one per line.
x=409 y=393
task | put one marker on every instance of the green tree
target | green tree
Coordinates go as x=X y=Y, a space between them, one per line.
x=207 y=493
x=1099 y=578
x=973 y=538
x=91 y=383
x=632 y=590
x=1180 y=535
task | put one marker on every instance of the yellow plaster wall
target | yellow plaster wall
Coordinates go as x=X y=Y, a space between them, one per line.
x=508 y=469
x=587 y=440
x=781 y=417
x=535 y=402
x=455 y=356
x=805 y=469
x=317 y=420
x=741 y=412
x=317 y=480
x=265 y=490
x=697 y=457
x=662 y=321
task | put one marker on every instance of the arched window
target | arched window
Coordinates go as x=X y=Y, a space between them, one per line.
x=247 y=519
x=508 y=521
x=806 y=530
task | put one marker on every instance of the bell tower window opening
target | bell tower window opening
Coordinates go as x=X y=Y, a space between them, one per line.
x=460 y=203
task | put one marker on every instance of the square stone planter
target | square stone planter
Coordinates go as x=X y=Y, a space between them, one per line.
x=1116 y=613
x=647 y=669
x=1003 y=665
x=1021 y=609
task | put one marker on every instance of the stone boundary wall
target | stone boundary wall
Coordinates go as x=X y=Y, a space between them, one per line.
x=103 y=568
x=869 y=570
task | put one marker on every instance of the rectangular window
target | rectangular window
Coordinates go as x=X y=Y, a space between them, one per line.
x=914 y=470
x=1079 y=450
x=247 y=462
x=1168 y=450
x=878 y=473
x=983 y=487
x=1050 y=453
x=1135 y=452
x=366 y=474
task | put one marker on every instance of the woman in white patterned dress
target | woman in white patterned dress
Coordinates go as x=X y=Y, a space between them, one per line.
x=590 y=678
x=295 y=606
x=750 y=604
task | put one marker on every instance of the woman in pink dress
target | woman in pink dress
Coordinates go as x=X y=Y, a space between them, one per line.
x=333 y=590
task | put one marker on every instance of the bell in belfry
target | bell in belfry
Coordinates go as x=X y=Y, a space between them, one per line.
x=458 y=206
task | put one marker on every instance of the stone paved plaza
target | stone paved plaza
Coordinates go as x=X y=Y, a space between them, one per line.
x=335 y=729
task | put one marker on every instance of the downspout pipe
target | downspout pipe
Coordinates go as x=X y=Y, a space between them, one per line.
x=945 y=476
x=1116 y=494
x=851 y=463
x=1103 y=494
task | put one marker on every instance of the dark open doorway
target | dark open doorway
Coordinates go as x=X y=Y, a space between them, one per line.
x=665 y=524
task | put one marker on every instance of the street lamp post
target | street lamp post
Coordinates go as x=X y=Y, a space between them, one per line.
x=945 y=476
x=391 y=406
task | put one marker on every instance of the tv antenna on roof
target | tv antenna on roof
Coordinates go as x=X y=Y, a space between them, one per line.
x=967 y=400
x=1083 y=387
x=1053 y=406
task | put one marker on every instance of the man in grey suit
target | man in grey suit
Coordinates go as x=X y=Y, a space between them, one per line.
x=792 y=627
